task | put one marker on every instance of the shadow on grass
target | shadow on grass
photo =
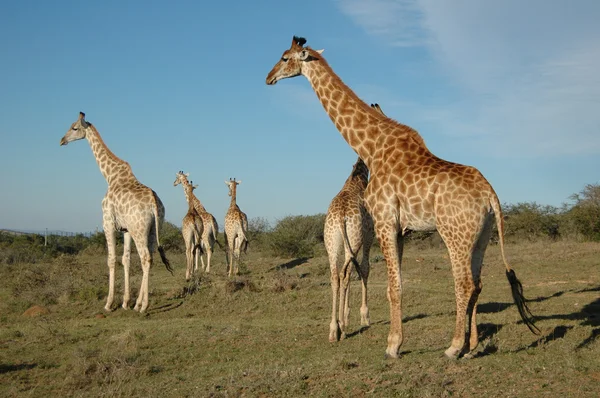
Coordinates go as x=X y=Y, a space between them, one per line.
x=589 y=315
x=164 y=308
x=6 y=368
x=493 y=308
x=290 y=264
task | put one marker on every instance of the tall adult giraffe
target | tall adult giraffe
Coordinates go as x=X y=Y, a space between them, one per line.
x=192 y=228
x=211 y=228
x=128 y=206
x=411 y=189
x=236 y=227
x=348 y=228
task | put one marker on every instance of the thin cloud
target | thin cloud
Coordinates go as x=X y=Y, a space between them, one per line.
x=526 y=71
x=383 y=17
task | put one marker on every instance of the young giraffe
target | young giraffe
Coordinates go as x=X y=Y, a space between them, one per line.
x=192 y=228
x=348 y=226
x=236 y=226
x=130 y=207
x=411 y=189
x=211 y=228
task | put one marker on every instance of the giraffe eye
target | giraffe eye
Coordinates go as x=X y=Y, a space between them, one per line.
x=284 y=59
x=75 y=128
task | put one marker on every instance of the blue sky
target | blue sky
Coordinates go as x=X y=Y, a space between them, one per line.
x=509 y=87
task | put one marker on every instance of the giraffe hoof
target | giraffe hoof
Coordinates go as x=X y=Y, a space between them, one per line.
x=452 y=353
x=388 y=356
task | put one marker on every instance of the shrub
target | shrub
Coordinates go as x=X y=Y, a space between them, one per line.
x=297 y=236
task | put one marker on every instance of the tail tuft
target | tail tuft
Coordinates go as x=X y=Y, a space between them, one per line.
x=164 y=259
x=520 y=301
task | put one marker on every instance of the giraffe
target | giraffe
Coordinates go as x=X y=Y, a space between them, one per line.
x=236 y=227
x=348 y=226
x=192 y=228
x=412 y=189
x=211 y=228
x=129 y=207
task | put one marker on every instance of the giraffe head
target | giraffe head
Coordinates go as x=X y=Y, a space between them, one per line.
x=181 y=178
x=77 y=130
x=293 y=61
x=232 y=184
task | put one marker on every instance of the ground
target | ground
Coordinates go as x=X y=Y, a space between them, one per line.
x=266 y=332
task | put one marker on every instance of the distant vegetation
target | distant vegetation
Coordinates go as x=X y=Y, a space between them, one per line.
x=302 y=236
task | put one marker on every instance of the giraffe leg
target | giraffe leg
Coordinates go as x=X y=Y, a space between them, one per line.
x=111 y=243
x=392 y=244
x=363 y=270
x=146 y=259
x=476 y=265
x=236 y=254
x=189 y=257
x=208 y=256
x=365 y=267
x=126 y=260
x=334 y=326
x=344 y=306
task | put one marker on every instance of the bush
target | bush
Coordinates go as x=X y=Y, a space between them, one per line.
x=531 y=221
x=296 y=236
x=584 y=215
x=171 y=238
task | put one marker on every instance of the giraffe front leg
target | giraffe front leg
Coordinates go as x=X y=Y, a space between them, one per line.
x=126 y=261
x=111 y=243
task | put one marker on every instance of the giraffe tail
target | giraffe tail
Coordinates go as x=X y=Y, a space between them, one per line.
x=348 y=246
x=515 y=285
x=161 y=250
x=215 y=231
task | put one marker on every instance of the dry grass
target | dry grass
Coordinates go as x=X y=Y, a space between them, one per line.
x=265 y=332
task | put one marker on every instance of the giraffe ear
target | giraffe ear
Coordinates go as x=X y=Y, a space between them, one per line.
x=306 y=56
x=226 y=182
x=239 y=182
x=187 y=174
x=320 y=51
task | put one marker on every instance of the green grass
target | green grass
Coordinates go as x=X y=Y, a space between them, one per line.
x=267 y=334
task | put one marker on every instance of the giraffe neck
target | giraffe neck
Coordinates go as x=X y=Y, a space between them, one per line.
x=351 y=116
x=197 y=204
x=111 y=166
x=233 y=204
x=360 y=125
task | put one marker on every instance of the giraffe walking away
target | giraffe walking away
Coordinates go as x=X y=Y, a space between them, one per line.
x=348 y=228
x=192 y=229
x=412 y=189
x=129 y=207
x=236 y=227
x=211 y=228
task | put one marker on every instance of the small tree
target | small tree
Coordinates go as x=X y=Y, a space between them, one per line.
x=297 y=236
x=585 y=212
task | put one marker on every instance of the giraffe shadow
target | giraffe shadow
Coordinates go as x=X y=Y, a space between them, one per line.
x=588 y=315
x=7 y=368
x=496 y=307
x=164 y=308
x=290 y=264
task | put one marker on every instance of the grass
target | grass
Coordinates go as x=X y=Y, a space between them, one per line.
x=266 y=332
